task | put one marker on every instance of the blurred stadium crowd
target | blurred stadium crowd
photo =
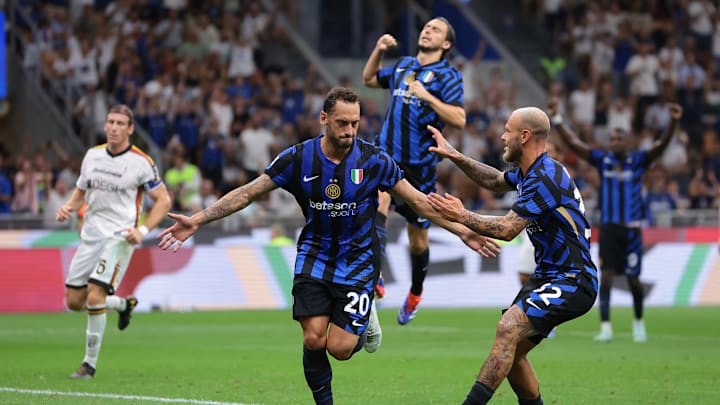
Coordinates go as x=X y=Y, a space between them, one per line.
x=210 y=83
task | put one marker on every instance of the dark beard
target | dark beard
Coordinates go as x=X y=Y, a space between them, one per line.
x=427 y=49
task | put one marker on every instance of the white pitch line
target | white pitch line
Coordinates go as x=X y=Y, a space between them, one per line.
x=117 y=396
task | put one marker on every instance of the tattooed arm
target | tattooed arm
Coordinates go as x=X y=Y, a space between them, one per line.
x=484 y=175
x=419 y=203
x=505 y=228
x=231 y=202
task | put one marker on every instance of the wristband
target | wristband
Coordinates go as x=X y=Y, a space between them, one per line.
x=143 y=230
x=556 y=119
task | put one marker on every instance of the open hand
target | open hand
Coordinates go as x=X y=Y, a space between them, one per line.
x=487 y=247
x=175 y=235
x=450 y=207
x=443 y=147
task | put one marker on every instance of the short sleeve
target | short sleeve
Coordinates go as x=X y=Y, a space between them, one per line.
x=640 y=160
x=453 y=91
x=150 y=177
x=512 y=177
x=538 y=195
x=596 y=157
x=390 y=172
x=385 y=77
x=281 y=168
x=82 y=179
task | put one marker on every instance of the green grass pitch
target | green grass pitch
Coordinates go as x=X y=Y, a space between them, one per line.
x=254 y=357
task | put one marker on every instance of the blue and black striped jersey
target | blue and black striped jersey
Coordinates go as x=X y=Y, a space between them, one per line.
x=404 y=134
x=559 y=231
x=621 y=186
x=339 y=202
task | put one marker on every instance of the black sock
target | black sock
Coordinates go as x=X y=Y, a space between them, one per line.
x=637 y=294
x=419 y=271
x=318 y=375
x=480 y=394
x=536 y=401
x=381 y=234
x=604 y=302
x=360 y=343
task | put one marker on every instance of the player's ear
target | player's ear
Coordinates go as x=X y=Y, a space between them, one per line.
x=323 y=118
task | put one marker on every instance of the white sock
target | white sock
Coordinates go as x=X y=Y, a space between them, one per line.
x=97 y=319
x=606 y=327
x=115 y=302
x=638 y=323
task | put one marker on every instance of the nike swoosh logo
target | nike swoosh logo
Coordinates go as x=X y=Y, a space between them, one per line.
x=307 y=179
x=357 y=324
x=400 y=70
x=421 y=220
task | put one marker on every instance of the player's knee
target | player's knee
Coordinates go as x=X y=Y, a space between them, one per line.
x=314 y=341
x=74 y=304
x=504 y=329
x=75 y=299
x=96 y=296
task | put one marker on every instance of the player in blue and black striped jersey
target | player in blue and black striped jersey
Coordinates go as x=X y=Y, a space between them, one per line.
x=623 y=211
x=424 y=90
x=550 y=208
x=336 y=179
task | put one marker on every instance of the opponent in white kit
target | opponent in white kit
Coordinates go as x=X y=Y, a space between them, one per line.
x=112 y=181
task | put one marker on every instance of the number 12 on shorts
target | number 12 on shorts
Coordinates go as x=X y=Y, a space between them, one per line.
x=545 y=292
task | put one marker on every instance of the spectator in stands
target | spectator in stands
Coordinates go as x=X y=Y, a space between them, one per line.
x=212 y=156
x=621 y=246
x=701 y=13
x=6 y=191
x=208 y=193
x=643 y=68
x=26 y=198
x=56 y=198
x=582 y=103
x=279 y=236
x=183 y=181
x=658 y=199
x=188 y=121
x=255 y=143
x=691 y=83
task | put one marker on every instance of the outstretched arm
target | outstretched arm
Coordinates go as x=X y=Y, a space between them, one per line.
x=374 y=62
x=506 y=227
x=231 y=202
x=418 y=202
x=484 y=175
x=578 y=147
x=661 y=144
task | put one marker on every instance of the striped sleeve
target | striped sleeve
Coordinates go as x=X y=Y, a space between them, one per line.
x=539 y=195
x=453 y=92
x=281 y=168
x=150 y=177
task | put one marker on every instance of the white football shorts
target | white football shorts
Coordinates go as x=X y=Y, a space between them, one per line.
x=103 y=261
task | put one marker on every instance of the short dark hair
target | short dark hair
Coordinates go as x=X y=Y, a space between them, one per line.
x=125 y=110
x=336 y=94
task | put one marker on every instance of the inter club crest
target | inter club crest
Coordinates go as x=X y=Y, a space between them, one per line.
x=356 y=175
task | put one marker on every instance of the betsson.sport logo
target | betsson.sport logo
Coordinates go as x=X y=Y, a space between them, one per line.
x=338 y=209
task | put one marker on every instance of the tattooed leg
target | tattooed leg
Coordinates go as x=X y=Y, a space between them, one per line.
x=513 y=327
